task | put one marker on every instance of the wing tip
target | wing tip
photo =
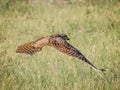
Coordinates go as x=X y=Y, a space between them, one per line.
x=102 y=70
x=96 y=69
x=25 y=49
x=27 y=53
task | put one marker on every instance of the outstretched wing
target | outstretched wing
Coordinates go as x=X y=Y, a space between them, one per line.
x=57 y=41
x=64 y=47
x=32 y=47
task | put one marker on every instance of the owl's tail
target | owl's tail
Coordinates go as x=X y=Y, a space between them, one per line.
x=28 y=48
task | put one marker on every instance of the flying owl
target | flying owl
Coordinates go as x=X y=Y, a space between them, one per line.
x=59 y=42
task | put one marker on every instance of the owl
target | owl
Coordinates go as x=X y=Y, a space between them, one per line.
x=59 y=42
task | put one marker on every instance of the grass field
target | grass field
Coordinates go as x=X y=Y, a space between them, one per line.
x=93 y=28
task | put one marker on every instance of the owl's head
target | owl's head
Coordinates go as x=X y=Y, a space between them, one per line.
x=64 y=36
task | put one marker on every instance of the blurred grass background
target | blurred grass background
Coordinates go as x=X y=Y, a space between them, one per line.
x=93 y=27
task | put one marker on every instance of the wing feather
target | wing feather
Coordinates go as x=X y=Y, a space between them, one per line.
x=32 y=47
x=64 y=47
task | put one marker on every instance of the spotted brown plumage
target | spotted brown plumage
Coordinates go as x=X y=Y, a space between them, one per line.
x=59 y=42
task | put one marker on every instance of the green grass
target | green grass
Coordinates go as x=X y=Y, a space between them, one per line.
x=93 y=29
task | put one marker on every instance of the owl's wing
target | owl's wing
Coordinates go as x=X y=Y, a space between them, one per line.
x=64 y=47
x=32 y=47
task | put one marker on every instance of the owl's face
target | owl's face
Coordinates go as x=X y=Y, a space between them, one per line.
x=64 y=36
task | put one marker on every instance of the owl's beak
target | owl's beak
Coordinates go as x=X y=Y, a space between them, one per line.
x=68 y=39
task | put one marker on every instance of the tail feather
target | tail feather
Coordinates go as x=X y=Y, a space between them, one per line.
x=27 y=48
